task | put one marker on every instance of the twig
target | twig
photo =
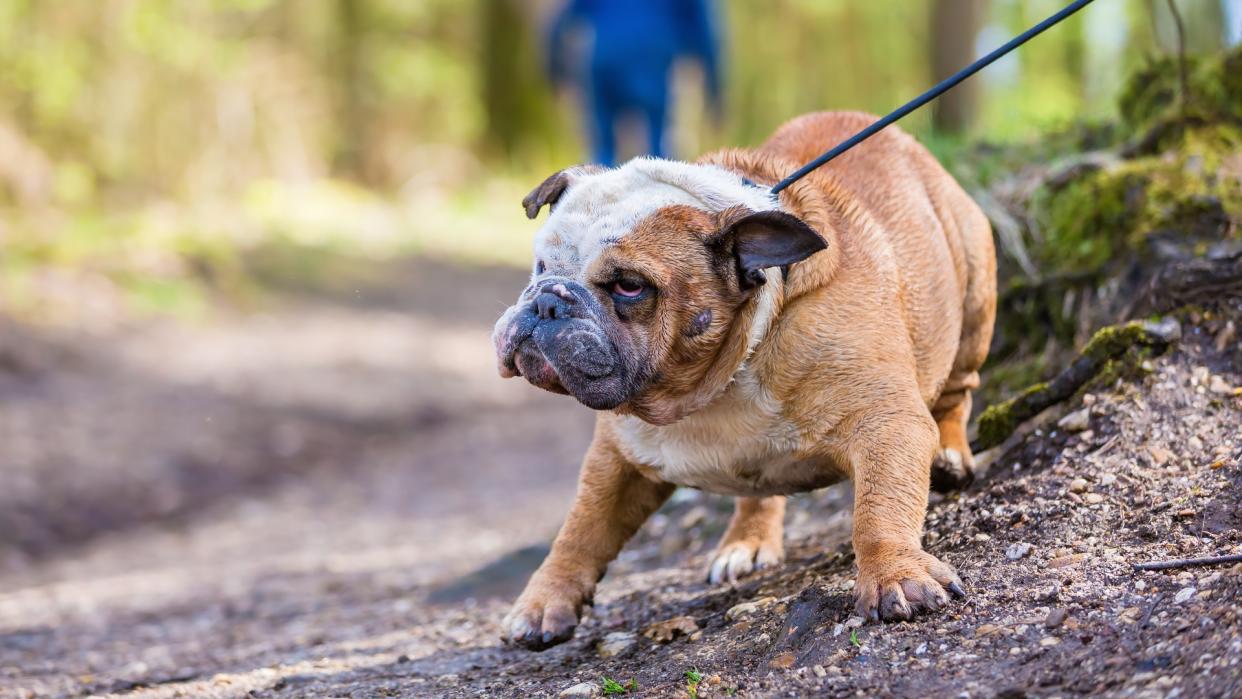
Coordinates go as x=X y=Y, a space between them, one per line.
x=1155 y=603
x=1189 y=562
x=1183 y=79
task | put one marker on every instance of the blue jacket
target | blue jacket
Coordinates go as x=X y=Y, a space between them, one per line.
x=636 y=43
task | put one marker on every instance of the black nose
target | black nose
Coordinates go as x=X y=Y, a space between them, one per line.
x=551 y=306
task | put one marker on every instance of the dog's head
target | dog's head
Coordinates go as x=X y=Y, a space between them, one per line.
x=641 y=274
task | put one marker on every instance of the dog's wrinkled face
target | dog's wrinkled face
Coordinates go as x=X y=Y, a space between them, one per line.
x=639 y=274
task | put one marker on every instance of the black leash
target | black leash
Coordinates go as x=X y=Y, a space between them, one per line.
x=944 y=86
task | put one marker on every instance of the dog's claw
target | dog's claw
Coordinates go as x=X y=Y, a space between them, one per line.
x=956 y=588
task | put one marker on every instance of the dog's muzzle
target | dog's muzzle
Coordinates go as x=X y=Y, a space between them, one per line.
x=555 y=339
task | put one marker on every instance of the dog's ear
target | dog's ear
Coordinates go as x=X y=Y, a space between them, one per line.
x=551 y=189
x=758 y=240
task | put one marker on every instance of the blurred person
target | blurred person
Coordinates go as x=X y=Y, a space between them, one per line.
x=634 y=47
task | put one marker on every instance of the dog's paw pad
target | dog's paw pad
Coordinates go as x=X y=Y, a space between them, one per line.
x=737 y=559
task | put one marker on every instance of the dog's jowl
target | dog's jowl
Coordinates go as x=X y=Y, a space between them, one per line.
x=758 y=346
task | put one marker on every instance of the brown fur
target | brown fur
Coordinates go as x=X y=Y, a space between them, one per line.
x=872 y=353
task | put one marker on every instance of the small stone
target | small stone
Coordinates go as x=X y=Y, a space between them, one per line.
x=1184 y=594
x=819 y=671
x=582 y=689
x=696 y=637
x=615 y=643
x=1055 y=618
x=694 y=517
x=1078 y=485
x=1159 y=455
x=854 y=622
x=745 y=609
x=1066 y=561
x=1195 y=443
x=1219 y=386
x=1017 y=550
x=986 y=630
x=1076 y=421
x=1199 y=376
x=1108 y=479
x=1049 y=641
x=669 y=629
x=1093 y=498
x=981 y=537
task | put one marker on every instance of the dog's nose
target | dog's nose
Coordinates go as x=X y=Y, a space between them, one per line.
x=551 y=306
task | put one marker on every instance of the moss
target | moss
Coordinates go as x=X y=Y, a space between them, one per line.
x=999 y=421
x=1112 y=341
x=1151 y=97
x=1114 y=213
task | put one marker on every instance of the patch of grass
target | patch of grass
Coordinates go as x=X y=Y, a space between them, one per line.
x=854 y=638
x=612 y=686
x=693 y=678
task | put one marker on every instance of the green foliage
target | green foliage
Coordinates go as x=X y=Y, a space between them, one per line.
x=612 y=686
x=693 y=678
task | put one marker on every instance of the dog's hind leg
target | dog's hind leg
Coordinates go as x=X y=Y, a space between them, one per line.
x=954 y=465
x=754 y=539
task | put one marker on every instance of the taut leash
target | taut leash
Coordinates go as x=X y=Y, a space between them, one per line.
x=943 y=87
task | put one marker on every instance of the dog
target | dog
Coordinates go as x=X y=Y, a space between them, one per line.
x=757 y=346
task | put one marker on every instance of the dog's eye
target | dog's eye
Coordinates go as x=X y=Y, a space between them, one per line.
x=627 y=289
x=540 y=267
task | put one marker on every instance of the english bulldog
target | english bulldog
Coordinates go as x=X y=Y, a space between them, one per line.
x=757 y=346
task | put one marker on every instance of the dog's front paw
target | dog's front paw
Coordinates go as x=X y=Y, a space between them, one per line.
x=735 y=559
x=897 y=583
x=545 y=615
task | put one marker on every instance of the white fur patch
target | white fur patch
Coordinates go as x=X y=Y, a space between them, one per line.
x=740 y=444
x=600 y=208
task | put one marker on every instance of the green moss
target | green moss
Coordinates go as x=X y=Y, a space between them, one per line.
x=1113 y=213
x=1151 y=97
x=999 y=421
x=1114 y=340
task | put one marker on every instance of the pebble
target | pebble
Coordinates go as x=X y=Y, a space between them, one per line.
x=1220 y=387
x=1076 y=421
x=1078 y=485
x=782 y=661
x=1049 y=641
x=1017 y=550
x=1055 y=617
x=615 y=643
x=819 y=671
x=582 y=689
x=744 y=609
x=981 y=537
x=694 y=517
x=1108 y=479
x=854 y=622
x=1184 y=594
x=1093 y=498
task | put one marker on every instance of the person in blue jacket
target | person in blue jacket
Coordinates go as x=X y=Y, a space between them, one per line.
x=635 y=45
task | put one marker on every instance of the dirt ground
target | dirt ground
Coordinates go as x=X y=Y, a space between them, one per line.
x=337 y=497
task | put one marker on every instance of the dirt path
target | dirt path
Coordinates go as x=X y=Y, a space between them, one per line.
x=291 y=503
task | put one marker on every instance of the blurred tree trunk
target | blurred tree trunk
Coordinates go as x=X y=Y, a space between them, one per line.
x=515 y=94
x=954 y=26
x=351 y=77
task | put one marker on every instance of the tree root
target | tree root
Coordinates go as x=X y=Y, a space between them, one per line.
x=1108 y=344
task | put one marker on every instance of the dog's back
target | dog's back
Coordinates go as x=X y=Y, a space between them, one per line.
x=930 y=223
